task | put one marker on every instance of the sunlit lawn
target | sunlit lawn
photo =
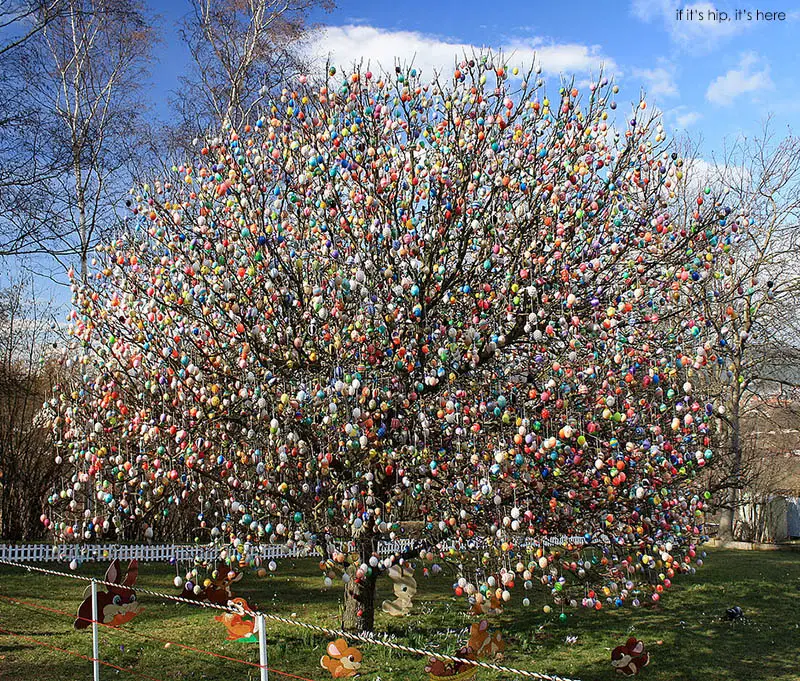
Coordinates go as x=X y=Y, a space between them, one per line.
x=686 y=635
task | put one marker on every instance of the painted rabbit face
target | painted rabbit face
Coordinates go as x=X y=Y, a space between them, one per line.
x=117 y=605
x=342 y=661
x=123 y=608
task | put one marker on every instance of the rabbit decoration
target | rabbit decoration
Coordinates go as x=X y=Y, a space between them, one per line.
x=117 y=605
x=486 y=606
x=486 y=643
x=481 y=644
x=241 y=628
x=629 y=658
x=342 y=661
x=405 y=586
x=218 y=591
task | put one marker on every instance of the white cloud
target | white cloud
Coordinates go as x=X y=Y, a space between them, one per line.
x=687 y=119
x=682 y=117
x=647 y=10
x=351 y=43
x=695 y=35
x=751 y=75
x=659 y=82
x=700 y=173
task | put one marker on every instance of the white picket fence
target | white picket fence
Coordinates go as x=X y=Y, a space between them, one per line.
x=152 y=553
x=183 y=553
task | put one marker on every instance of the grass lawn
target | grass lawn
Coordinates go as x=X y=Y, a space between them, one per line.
x=685 y=634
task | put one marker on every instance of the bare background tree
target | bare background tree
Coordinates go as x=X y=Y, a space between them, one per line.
x=79 y=116
x=27 y=373
x=240 y=50
x=23 y=19
x=751 y=355
x=22 y=140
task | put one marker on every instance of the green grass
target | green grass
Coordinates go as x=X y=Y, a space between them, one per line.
x=685 y=634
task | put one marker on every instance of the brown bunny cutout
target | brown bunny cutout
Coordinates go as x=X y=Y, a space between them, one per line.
x=241 y=628
x=405 y=586
x=218 y=592
x=629 y=658
x=481 y=644
x=118 y=604
x=485 y=643
x=487 y=606
x=342 y=661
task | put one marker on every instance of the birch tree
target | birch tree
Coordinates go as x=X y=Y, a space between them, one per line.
x=79 y=82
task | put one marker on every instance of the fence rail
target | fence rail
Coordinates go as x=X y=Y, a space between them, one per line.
x=154 y=553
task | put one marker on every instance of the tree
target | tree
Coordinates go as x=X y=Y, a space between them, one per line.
x=241 y=51
x=750 y=351
x=78 y=114
x=27 y=374
x=457 y=302
x=22 y=139
x=31 y=16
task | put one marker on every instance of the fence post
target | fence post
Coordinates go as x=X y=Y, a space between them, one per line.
x=95 y=635
x=262 y=647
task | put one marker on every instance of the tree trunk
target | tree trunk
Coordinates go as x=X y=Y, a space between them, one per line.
x=83 y=236
x=728 y=516
x=359 y=596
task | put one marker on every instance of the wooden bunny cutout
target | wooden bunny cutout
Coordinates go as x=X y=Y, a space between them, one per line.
x=405 y=586
x=218 y=591
x=481 y=644
x=487 y=606
x=342 y=661
x=118 y=604
x=628 y=659
x=485 y=643
x=241 y=628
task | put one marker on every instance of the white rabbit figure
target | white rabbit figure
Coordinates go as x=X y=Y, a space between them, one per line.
x=405 y=586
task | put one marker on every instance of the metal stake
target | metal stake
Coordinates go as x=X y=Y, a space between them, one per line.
x=95 y=635
x=262 y=648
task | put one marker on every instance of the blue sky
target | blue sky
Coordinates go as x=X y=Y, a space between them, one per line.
x=713 y=79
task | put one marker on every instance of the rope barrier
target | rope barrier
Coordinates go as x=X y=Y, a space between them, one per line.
x=149 y=637
x=37 y=642
x=335 y=633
